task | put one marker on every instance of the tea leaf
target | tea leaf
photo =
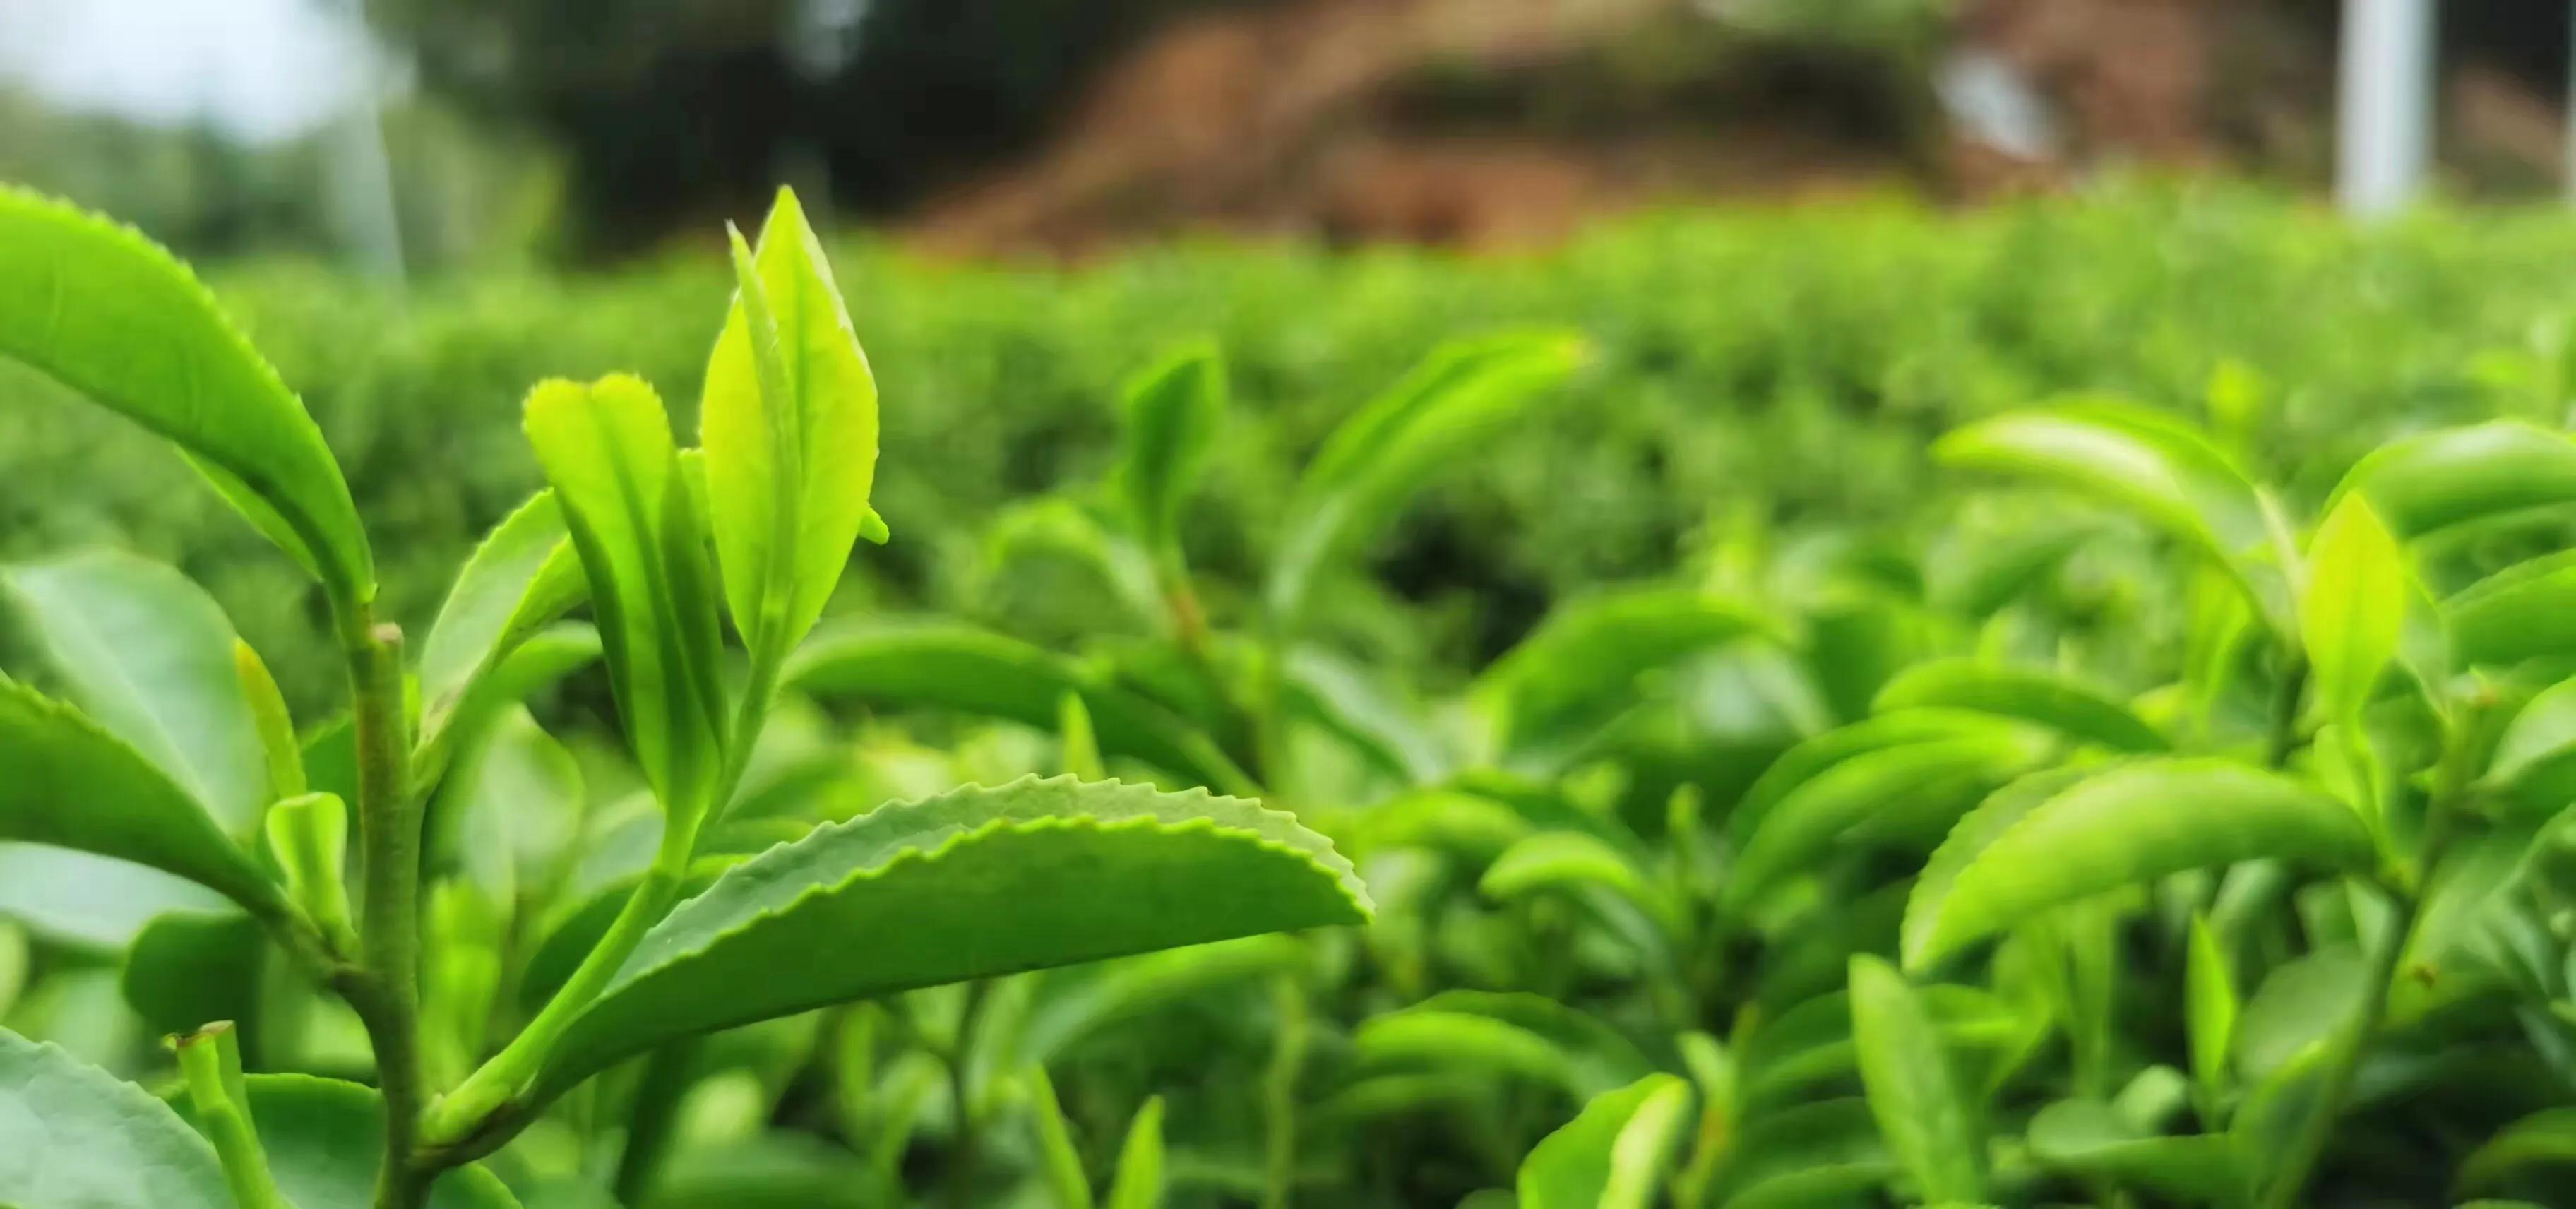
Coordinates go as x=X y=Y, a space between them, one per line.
x=1810 y=819
x=1812 y=757
x=149 y=657
x=2352 y=608
x=2454 y=476
x=2155 y=466
x=325 y=1139
x=1064 y=1174
x=186 y=969
x=66 y=782
x=1139 y=1184
x=1568 y=860
x=523 y=576
x=969 y=884
x=2020 y=693
x=2021 y=853
x=2545 y=1139
x=1613 y=1155
x=1824 y=1153
x=106 y=312
x=1580 y=668
x=78 y=1136
x=2209 y=1011
x=1458 y=396
x=2525 y=611
x=789 y=422
x=2090 y=1140
x=1913 y=1086
x=1072 y=1004
x=607 y=449
x=973 y=671
x=1485 y=1033
x=1172 y=413
x=1812 y=1042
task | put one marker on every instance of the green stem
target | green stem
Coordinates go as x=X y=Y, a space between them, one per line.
x=210 y=1060
x=2284 y=737
x=963 y=1157
x=460 y=1113
x=1279 y=1087
x=386 y=992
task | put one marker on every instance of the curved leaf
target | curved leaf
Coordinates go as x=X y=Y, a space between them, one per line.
x=2352 y=609
x=2025 y=852
x=2544 y=1139
x=2152 y=464
x=1566 y=860
x=2453 y=476
x=1810 y=819
x=1401 y=441
x=75 y=1136
x=975 y=671
x=1812 y=1042
x=2522 y=612
x=1070 y=1005
x=104 y=311
x=607 y=449
x=1811 y=757
x=1613 y=1154
x=1913 y=1086
x=325 y=1140
x=789 y=422
x=973 y=883
x=1139 y=1183
x=1339 y=696
x=186 y=969
x=1172 y=411
x=2090 y=1140
x=1580 y=667
x=149 y=657
x=2210 y=1009
x=2021 y=693
x=1823 y=1153
x=523 y=576
x=65 y=782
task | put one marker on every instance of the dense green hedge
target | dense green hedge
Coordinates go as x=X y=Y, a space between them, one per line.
x=1794 y=363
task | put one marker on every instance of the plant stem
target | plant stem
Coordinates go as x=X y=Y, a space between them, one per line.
x=1279 y=1092
x=961 y=1163
x=386 y=991
x=2284 y=737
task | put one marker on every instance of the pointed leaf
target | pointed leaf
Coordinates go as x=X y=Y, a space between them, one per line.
x=2129 y=825
x=1172 y=413
x=1947 y=774
x=2454 y=476
x=1395 y=445
x=2021 y=693
x=75 y=1137
x=1580 y=668
x=2352 y=608
x=2090 y=1140
x=970 y=884
x=1064 y=1174
x=1140 y=1161
x=607 y=449
x=2209 y=1009
x=1812 y=1042
x=1614 y=1154
x=102 y=310
x=65 y=782
x=1565 y=861
x=149 y=656
x=524 y=576
x=789 y=422
x=974 y=671
x=1913 y=1085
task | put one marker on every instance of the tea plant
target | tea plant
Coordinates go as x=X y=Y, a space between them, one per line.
x=171 y=749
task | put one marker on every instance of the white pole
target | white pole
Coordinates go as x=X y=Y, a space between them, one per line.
x=2384 y=110
x=2569 y=103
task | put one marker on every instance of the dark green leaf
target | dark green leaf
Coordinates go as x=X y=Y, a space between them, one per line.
x=1172 y=413
x=2090 y=1140
x=187 y=970
x=1580 y=668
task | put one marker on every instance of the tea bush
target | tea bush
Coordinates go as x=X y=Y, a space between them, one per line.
x=2132 y=769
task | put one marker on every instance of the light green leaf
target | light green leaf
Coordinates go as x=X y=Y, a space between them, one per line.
x=1913 y=1086
x=1072 y=1004
x=2025 y=694
x=1487 y=1033
x=2090 y=1140
x=1945 y=775
x=2524 y=611
x=1613 y=1155
x=2209 y=1010
x=2301 y=1008
x=1172 y=413
x=962 y=668
x=1064 y=1174
x=2534 y=763
x=2155 y=466
x=65 y=782
x=325 y=1139
x=149 y=657
x=1812 y=757
x=2352 y=608
x=2128 y=825
x=970 y=884
x=607 y=449
x=1564 y=861
x=522 y=577
x=1345 y=699
x=1140 y=1161
x=1812 y=1042
x=2453 y=476
x=102 y=310
x=1580 y=668
x=77 y=1137
x=789 y=422
x=1396 y=445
